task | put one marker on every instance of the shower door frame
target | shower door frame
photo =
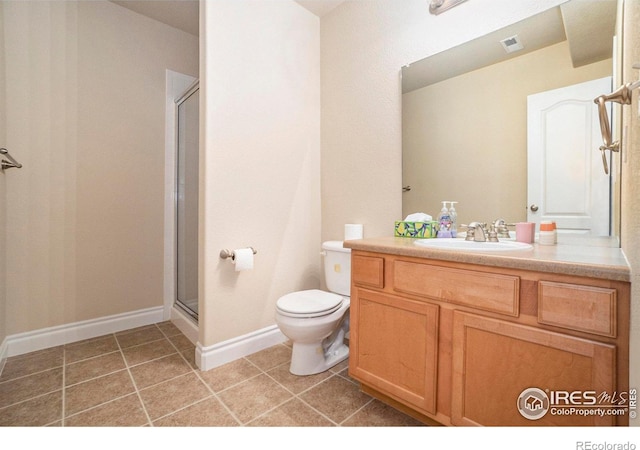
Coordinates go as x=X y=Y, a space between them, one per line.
x=191 y=90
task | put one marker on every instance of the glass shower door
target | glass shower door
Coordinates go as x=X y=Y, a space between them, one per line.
x=187 y=201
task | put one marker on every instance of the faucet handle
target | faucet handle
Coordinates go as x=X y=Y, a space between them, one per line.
x=502 y=229
x=471 y=231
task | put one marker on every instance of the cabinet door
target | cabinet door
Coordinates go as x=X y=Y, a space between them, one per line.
x=393 y=347
x=495 y=362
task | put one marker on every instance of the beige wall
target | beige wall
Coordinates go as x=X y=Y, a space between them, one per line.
x=260 y=160
x=631 y=181
x=85 y=92
x=465 y=138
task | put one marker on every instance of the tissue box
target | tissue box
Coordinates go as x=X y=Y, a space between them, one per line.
x=422 y=230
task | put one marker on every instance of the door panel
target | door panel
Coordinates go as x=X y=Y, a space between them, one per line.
x=566 y=182
x=500 y=361
x=187 y=202
x=393 y=346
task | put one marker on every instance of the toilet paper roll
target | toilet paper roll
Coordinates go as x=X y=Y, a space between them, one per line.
x=243 y=259
x=353 y=231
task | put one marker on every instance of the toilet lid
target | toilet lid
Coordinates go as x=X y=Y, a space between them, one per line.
x=313 y=302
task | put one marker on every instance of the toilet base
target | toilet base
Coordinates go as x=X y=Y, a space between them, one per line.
x=309 y=359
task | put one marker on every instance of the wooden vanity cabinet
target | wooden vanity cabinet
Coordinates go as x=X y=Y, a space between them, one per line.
x=458 y=343
x=397 y=347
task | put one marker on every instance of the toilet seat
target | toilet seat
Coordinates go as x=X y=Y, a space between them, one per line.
x=310 y=303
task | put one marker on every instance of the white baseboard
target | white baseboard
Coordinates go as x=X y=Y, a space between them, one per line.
x=216 y=355
x=185 y=324
x=31 y=341
x=206 y=357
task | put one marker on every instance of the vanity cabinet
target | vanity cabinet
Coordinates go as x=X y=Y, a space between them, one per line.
x=397 y=347
x=458 y=343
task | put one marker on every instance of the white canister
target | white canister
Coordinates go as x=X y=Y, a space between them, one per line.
x=548 y=234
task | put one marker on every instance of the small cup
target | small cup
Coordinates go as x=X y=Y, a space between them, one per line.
x=525 y=232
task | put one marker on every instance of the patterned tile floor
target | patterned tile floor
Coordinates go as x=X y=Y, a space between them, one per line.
x=147 y=377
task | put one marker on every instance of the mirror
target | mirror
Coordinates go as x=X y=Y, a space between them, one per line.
x=464 y=113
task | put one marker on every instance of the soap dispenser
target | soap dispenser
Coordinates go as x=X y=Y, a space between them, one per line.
x=444 y=220
x=453 y=214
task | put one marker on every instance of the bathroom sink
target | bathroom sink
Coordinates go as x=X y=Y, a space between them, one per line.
x=473 y=246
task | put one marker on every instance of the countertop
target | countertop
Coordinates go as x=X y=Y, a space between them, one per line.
x=594 y=257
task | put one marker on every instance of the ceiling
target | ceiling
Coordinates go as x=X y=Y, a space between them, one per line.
x=580 y=22
x=587 y=25
x=320 y=7
x=183 y=14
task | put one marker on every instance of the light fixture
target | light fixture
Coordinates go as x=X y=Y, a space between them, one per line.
x=440 y=6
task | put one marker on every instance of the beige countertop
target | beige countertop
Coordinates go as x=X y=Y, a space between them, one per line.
x=573 y=255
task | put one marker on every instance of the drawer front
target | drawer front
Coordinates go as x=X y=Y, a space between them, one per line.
x=577 y=307
x=484 y=291
x=367 y=271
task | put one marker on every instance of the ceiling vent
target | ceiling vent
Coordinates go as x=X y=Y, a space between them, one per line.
x=512 y=44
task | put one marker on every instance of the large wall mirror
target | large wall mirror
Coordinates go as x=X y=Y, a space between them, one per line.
x=471 y=114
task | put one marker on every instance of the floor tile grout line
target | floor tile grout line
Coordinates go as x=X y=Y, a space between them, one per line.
x=238 y=383
x=133 y=381
x=31 y=374
x=297 y=396
x=90 y=357
x=182 y=408
x=29 y=399
x=128 y=367
x=151 y=360
x=213 y=393
x=217 y=397
x=106 y=374
x=318 y=411
x=357 y=410
x=163 y=338
x=115 y=399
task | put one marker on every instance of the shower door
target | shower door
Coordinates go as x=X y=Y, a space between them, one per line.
x=187 y=201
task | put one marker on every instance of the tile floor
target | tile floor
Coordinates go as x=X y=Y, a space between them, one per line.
x=147 y=377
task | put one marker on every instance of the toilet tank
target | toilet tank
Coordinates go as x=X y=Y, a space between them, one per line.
x=337 y=267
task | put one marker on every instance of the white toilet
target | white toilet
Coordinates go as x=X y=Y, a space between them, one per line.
x=316 y=321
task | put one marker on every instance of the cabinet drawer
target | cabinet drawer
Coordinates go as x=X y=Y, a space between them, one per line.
x=577 y=307
x=484 y=291
x=368 y=271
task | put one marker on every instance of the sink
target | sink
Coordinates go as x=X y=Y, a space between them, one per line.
x=473 y=246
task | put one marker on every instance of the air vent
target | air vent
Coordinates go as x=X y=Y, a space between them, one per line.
x=512 y=44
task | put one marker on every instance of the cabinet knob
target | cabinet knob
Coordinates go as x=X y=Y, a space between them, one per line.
x=533 y=207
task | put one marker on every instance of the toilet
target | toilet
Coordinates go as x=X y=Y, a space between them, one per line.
x=316 y=321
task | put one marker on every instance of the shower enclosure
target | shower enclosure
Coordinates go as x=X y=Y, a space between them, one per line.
x=187 y=201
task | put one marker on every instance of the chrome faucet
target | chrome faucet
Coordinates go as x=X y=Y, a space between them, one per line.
x=477 y=231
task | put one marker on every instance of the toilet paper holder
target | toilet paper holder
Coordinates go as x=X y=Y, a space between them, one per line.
x=225 y=253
